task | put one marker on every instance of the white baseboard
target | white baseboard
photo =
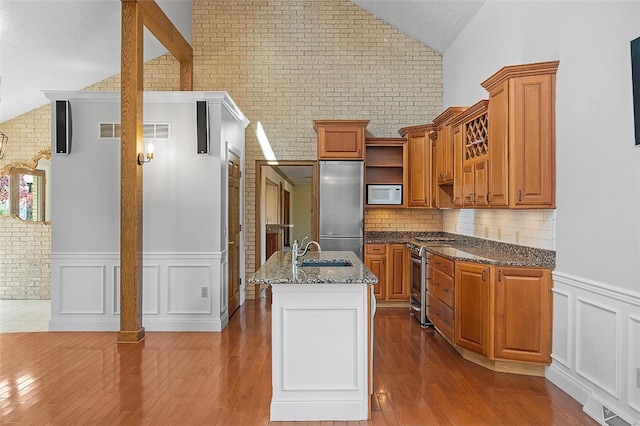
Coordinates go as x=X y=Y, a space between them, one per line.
x=317 y=411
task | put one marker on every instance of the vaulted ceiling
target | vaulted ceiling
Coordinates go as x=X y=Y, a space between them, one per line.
x=71 y=44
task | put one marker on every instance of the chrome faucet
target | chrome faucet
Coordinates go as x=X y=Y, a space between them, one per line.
x=297 y=252
x=306 y=248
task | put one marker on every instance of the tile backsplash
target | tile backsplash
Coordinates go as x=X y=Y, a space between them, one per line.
x=533 y=228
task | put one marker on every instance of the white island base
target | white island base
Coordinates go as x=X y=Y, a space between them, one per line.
x=321 y=346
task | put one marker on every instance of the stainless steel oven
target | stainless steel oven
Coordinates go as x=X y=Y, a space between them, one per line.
x=418 y=277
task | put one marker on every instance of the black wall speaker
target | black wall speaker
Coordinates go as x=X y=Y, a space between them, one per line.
x=63 y=127
x=635 y=79
x=202 y=127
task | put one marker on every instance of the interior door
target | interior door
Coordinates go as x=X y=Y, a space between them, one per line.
x=234 y=232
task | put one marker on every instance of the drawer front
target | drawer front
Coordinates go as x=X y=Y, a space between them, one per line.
x=430 y=273
x=375 y=249
x=445 y=265
x=442 y=318
x=443 y=287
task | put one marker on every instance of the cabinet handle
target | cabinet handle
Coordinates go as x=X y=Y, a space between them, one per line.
x=483 y=276
x=488 y=197
x=519 y=194
x=446 y=290
x=499 y=275
x=445 y=321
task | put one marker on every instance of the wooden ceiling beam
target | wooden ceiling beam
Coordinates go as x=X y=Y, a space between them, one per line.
x=163 y=29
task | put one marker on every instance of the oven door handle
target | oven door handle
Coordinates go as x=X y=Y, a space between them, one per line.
x=416 y=259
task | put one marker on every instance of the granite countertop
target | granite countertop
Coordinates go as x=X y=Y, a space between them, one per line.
x=464 y=248
x=278 y=269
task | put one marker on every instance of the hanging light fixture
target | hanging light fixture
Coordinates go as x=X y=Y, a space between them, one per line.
x=3 y=144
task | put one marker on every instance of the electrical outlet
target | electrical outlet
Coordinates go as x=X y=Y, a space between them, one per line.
x=486 y=232
x=499 y=233
x=517 y=237
x=638 y=377
x=204 y=292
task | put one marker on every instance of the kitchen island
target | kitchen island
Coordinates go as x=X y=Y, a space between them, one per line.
x=322 y=335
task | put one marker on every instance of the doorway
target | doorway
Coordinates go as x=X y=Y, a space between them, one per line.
x=297 y=205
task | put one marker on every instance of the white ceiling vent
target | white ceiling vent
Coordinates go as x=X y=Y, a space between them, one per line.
x=155 y=131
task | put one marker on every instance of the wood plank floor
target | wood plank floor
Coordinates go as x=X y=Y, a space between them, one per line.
x=225 y=379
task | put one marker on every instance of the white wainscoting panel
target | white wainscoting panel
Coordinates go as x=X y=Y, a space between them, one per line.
x=634 y=362
x=85 y=292
x=82 y=289
x=330 y=372
x=598 y=351
x=596 y=344
x=562 y=344
x=186 y=283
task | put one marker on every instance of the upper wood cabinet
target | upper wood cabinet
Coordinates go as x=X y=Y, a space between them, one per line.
x=471 y=187
x=340 y=139
x=444 y=164
x=385 y=163
x=522 y=123
x=418 y=193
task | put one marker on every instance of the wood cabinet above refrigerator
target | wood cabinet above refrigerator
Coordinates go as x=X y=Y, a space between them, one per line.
x=340 y=139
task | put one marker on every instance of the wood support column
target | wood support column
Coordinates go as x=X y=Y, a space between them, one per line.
x=131 y=143
x=137 y=14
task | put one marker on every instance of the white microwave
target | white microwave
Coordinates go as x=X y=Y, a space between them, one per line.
x=384 y=194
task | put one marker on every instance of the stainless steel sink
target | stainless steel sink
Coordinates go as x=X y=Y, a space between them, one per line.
x=317 y=263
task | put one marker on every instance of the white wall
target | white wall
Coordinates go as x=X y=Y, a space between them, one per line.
x=185 y=201
x=597 y=279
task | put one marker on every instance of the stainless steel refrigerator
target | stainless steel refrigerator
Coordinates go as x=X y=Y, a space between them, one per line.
x=341 y=210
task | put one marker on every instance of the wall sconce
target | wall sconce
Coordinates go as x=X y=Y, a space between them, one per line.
x=3 y=144
x=142 y=158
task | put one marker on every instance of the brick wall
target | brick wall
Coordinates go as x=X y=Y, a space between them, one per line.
x=286 y=63
x=25 y=268
x=404 y=220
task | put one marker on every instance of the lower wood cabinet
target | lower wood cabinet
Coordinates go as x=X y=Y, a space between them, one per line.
x=503 y=313
x=440 y=294
x=473 y=307
x=272 y=244
x=390 y=263
x=523 y=314
x=375 y=258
